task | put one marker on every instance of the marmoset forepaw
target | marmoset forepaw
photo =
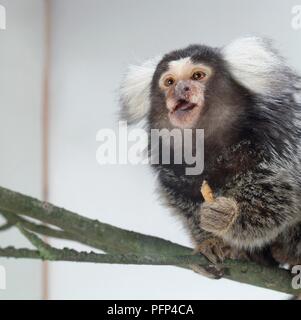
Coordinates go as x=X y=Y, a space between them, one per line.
x=219 y=215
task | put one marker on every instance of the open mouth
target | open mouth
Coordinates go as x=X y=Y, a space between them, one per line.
x=184 y=113
x=183 y=107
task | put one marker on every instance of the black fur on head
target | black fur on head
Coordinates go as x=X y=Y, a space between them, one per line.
x=226 y=101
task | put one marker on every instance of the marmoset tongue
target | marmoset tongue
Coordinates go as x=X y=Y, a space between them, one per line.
x=184 y=106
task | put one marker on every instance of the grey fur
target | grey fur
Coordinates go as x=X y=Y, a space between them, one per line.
x=261 y=170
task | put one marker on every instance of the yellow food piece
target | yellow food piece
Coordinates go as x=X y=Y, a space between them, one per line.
x=207 y=192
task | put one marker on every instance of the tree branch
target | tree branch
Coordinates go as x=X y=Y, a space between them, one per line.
x=23 y=253
x=14 y=219
x=121 y=246
x=5 y=226
x=47 y=252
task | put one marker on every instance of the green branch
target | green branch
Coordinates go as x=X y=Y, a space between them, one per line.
x=47 y=252
x=14 y=219
x=6 y=226
x=12 y=252
x=121 y=246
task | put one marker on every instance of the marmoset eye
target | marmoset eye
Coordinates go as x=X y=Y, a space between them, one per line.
x=198 y=75
x=169 y=82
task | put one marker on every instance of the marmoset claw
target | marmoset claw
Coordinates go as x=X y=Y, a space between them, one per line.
x=210 y=271
x=215 y=250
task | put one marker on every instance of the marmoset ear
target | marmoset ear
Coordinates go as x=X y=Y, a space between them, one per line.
x=135 y=91
x=256 y=65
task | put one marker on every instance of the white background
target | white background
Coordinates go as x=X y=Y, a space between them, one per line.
x=21 y=68
x=92 y=43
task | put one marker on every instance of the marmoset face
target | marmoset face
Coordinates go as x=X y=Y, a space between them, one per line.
x=192 y=88
x=183 y=86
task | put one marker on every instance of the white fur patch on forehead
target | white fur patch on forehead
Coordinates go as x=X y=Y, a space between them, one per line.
x=183 y=68
x=179 y=66
x=255 y=64
x=135 y=90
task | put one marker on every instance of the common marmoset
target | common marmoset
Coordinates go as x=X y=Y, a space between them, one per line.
x=248 y=101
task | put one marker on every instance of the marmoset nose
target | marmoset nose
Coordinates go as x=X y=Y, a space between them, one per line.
x=183 y=89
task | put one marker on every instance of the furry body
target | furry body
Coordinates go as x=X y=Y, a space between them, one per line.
x=251 y=120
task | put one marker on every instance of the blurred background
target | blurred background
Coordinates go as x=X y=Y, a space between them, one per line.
x=61 y=62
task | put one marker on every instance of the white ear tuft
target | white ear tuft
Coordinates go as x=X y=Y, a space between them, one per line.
x=255 y=64
x=135 y=90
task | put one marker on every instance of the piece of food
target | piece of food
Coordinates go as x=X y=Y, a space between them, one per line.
x=207 y=192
